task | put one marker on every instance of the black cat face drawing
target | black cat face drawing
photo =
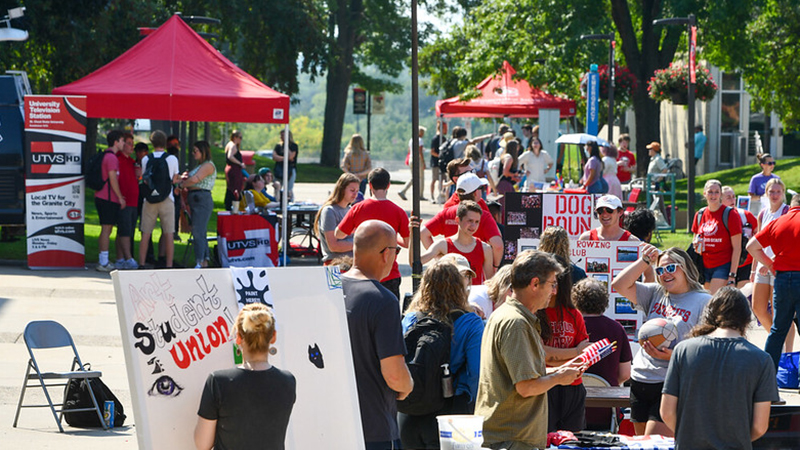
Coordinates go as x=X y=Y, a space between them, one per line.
x=315 y=356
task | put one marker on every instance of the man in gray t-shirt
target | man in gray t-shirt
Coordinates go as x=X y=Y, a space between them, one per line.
x=714 y=408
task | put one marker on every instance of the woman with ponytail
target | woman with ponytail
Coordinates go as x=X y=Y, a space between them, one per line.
x=247 y=406
x=719 y=370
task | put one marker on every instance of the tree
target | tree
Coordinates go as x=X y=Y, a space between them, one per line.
x=360 y=33
x=542 y=40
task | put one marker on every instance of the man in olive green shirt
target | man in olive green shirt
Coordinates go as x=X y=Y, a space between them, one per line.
x=512 y=392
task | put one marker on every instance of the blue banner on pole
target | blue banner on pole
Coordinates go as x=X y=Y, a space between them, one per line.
x=592 y=101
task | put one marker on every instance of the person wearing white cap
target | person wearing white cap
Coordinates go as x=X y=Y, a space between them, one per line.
x=444 y=223
x=477 y=253
x=608 y=209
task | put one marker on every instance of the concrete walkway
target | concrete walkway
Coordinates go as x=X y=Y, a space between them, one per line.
x=83 y=301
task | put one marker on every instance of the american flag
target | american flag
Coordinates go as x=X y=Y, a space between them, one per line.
x=597 y=351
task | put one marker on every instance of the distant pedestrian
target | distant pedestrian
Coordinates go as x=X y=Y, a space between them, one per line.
x=129 y=186
x=356 y=160
x=109 y=200
x=277 y=155
x=234 y=165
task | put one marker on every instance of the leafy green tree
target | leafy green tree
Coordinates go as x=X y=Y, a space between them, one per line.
x=541 y=39
x=361 y=33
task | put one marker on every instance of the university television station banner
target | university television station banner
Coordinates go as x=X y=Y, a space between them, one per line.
x=528 y=214
x=604 y=260
x=176 y=329
x=55 y=133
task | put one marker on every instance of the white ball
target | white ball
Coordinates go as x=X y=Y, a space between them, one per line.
x=659 y=331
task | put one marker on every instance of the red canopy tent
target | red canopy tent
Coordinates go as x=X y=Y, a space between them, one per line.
x=505 y=97
x=174 y=74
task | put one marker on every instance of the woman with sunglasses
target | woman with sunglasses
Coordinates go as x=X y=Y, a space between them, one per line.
x=678 y=297
x=718 y=237
x=758 y=183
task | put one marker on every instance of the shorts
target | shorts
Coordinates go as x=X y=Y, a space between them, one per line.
x=769 y=279
x=645 y=401
x=107 y=211
x=164 y=210
x=743 y=274
x=126 y=224
x=566 y=406
x=717 y=272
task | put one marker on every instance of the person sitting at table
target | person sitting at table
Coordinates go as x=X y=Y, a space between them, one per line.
x=247 y=406
x=719 y=386
x=255 y=185
x=590 y=296
x=269 y=180
x=331 y=213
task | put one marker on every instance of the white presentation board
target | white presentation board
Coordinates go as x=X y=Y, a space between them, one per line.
x=603 y=260
x=176 y=328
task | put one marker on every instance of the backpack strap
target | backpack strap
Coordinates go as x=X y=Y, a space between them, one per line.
x=725 y=215
x=698 y=218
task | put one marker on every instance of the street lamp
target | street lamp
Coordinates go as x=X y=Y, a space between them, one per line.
x=691 y=23
x=612 y=77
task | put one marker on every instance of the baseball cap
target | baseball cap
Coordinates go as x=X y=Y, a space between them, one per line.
x=655 y=146
x=608 y=201
x=263 y=171
x=469 y=183
x=460 y=261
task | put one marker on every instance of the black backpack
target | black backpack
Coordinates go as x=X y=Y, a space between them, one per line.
x=428 y=344
x=725 y=214
x=157 y=183
x=76 y=395
x=94 y=173
x=446 y=154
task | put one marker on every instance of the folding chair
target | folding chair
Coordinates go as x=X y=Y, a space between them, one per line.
x=590 y=379
x=47 y=334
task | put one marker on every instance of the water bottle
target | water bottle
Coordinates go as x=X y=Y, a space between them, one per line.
x=251 y=203
x=447 y=382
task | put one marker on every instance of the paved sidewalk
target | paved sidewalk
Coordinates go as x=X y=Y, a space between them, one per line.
x=83 y=301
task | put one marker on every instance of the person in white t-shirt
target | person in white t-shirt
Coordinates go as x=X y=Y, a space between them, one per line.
x=163 y=210
x=535 y=163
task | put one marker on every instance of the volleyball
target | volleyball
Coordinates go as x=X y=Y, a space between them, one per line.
x=659 y=331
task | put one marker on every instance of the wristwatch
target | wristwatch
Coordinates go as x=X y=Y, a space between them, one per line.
x=731 y=275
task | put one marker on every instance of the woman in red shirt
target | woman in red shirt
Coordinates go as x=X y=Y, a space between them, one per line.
x=720 y=245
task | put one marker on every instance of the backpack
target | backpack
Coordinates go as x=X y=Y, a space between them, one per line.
x=76 y=395
x=157 y=182
x=94 y=173
x=725 y=214
x=446 y=154
x=428 y=343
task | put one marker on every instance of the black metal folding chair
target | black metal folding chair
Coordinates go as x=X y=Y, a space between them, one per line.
x=47 y=334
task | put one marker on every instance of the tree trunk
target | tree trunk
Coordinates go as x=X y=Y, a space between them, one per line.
x=648 y=121
x=345 y=17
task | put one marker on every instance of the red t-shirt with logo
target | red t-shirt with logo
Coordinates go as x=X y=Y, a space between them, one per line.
x=568 y=330
x=383 y=210
x=717 y=239
x=783 y=234
x=623 y=176
x=444 y=224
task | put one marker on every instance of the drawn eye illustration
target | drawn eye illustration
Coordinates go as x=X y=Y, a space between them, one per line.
x=165 y=386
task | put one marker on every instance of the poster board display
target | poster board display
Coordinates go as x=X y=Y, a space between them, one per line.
x=247 y=240
x=55 y=133
x=176 y=330
x=603 y=260
x=526 y=215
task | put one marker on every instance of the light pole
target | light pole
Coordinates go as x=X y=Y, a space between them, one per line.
x=691 y=23
x=611 y=77
x=416 y=266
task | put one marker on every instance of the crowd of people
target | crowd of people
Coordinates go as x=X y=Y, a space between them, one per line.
x=516 y=329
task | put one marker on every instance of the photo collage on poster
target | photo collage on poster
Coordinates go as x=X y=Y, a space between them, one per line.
x=603 y=261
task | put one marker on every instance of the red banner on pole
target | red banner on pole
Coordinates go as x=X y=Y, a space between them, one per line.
x=692 y=55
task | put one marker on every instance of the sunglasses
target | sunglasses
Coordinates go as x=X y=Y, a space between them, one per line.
x=396 y=249
x=771 y=163
x=604 y=210
x=669 y=268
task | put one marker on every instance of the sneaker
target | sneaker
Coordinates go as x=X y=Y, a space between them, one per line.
x=423 y=199
x=403 y=196
x=107 y=268
x=131 y=264
x=120 y=263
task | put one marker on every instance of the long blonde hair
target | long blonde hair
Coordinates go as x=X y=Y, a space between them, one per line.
x=555 y=240
x=336 y=196
x=356 y=144
x=255 y=324
x=681 y=258
x=440 y=292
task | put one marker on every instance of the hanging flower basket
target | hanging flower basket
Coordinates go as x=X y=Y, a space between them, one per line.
x=624 y=83
x=672 y=84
